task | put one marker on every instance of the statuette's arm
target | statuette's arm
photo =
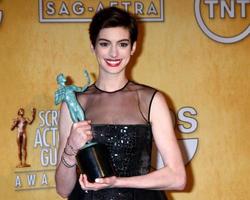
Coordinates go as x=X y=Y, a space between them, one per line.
x=14 y=124
x=33 y=116
x=82 y=89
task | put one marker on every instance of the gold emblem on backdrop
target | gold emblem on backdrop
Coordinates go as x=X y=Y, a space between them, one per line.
x=83 y=10
x=1 y=16
x=44 y=150
x=20 y=123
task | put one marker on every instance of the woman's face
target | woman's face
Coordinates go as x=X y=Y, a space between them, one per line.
x=113 y=49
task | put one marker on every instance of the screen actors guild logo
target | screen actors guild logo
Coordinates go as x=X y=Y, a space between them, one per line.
x=21 y=123
x=59 y=11
x=224 y=7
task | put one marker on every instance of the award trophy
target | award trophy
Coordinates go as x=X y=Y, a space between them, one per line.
x=20 y=123
x=92 y=158
x=1 y=15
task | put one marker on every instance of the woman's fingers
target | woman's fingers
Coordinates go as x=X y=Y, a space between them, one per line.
x=85 y=123
x=80 y=134
x=88 y=135
x=108 y=180
x=100 y=183
x=82 y=181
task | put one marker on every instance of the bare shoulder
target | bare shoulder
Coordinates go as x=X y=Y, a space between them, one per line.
x=159 y=104
x=159 y=97
x=160 y=116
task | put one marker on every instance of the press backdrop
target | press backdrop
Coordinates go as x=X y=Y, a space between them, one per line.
x=206 y=83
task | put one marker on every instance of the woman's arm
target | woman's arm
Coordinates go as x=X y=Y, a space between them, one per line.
x=172 y=176
x=71 y=138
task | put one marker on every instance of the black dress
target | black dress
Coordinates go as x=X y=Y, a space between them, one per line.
x=120 y=120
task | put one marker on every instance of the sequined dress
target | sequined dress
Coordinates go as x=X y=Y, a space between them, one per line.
x=120 y=120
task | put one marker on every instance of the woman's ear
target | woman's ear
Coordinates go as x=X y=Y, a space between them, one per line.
x=133 y=49
x=92 y=48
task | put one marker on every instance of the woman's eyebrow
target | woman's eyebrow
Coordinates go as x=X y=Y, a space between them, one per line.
x=102 y=39
x=122 y=40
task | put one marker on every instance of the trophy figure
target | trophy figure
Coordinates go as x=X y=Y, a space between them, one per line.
x=1 y=15
x=92 y=158
x=21 y=123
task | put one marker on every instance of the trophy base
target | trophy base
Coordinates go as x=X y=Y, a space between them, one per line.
x=93 y=160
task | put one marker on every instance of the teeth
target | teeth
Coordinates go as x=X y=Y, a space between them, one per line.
x=113 y=62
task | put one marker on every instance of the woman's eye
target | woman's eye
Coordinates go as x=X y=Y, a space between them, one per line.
x=124 y=44
x=103 y=44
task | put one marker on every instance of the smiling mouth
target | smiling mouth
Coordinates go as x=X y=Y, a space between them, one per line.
x=113 y=62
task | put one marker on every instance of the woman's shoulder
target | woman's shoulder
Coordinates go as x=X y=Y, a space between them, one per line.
x=145 y=93
x=140 y=87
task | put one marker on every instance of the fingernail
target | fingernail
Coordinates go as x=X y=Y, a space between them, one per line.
x=98 y=180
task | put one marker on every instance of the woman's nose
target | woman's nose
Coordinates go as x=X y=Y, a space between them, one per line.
x=113 y=52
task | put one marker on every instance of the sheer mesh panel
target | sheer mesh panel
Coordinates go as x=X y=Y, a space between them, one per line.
x=120 y=120
x=129 y=105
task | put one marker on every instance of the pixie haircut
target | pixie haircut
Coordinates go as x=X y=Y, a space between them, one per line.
x=112 y=17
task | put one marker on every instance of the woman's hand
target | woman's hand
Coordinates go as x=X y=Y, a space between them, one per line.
x=100 y=183
x=80 y=133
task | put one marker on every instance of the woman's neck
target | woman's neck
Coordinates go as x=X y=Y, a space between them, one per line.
x=111 y=84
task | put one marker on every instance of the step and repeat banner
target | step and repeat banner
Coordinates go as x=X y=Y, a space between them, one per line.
x=196 y=52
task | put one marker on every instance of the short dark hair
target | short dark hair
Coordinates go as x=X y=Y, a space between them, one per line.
x=112 y=17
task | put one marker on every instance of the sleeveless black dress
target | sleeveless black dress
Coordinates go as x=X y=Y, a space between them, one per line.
x=120 y=120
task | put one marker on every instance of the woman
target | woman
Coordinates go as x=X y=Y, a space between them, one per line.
x=124 y=116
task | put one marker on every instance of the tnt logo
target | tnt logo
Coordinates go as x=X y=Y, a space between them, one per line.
x=224 y=21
